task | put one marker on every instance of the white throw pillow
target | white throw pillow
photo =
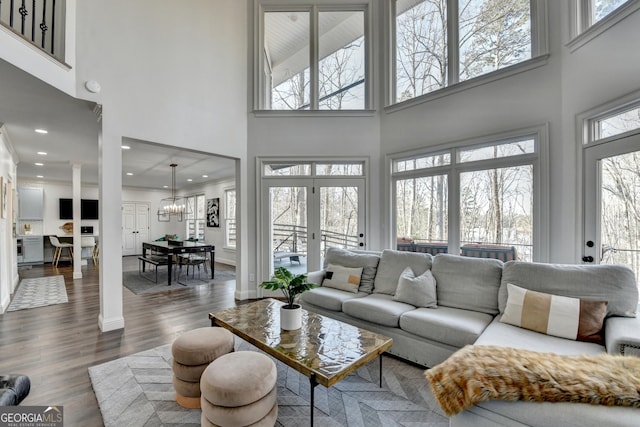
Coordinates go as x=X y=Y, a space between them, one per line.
x=343 y=278
x=418 y=291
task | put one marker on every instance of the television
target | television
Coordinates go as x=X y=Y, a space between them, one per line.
x=88 y=209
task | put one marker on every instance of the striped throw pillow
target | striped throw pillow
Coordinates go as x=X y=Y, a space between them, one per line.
x=565 y=317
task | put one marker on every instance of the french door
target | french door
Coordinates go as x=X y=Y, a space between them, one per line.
x=135 y=227
x=303 y=217
x=611 y=202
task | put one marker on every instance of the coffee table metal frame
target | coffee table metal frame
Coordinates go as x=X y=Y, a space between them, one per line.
x=325 y=350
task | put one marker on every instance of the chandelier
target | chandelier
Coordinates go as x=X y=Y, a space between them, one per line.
x=175 y=206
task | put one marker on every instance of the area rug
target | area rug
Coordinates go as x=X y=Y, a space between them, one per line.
x=137 y=391
x=138 y=284
x=39 y=292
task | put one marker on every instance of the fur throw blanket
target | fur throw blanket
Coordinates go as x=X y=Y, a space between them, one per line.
x=477 y=373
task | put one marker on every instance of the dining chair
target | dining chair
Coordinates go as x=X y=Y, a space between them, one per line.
x=55 y=242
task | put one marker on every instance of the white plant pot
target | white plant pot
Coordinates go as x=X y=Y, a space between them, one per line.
x=291 y=318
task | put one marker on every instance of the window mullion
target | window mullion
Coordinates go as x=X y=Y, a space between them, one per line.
x=453 y=42
x=314 y=59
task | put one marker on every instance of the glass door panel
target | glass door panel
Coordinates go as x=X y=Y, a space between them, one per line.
x=288 y=231
x=612 y=197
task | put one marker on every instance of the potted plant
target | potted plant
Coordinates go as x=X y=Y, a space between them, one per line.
x=291 y=286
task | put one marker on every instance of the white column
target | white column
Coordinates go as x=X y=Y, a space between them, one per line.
x=110 y=226
x=77 y=195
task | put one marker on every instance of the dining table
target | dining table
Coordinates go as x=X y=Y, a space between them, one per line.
x=175 y=248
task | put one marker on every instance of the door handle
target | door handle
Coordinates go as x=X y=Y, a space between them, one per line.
x=587 y=258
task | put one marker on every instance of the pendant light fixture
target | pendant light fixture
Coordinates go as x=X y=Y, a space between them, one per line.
x=175 y=206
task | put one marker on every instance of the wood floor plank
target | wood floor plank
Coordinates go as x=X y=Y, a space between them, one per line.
x=55 y=345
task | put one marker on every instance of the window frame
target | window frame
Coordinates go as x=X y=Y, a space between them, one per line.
x=195 y=218
x=583 y=30
x=228 y=219
x=314 y=7
x=539 y=57
x=538 y=159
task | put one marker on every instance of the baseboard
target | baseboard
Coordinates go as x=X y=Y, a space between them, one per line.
x=110 y=325
x=4 y=304
x=245 y=295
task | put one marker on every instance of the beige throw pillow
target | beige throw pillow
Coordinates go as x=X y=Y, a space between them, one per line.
x=560 y=316
x=418 y=291
x=343 y=278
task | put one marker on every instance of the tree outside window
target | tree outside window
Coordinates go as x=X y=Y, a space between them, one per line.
x=484 y=36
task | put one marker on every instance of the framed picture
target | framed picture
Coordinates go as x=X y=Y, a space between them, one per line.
x=213 y=212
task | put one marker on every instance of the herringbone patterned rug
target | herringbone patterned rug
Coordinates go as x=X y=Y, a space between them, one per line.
x=38 y=292
x=137 y=391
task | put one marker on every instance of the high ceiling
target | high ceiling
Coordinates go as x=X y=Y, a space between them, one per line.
x=27 y=103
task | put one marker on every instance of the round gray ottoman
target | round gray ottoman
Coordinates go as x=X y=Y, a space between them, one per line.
x=239 y=389
x=192 y=353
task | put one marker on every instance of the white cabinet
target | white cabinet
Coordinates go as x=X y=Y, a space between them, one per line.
x=32 y=250
x=30 y=203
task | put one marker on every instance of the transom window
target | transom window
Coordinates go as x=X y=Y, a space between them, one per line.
x=313 y=57
x=474 y=199
x=616 y=123
x=439 y=43
x=313 y=169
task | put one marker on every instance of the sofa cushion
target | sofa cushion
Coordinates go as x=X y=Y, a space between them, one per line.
x=418 y=291
x=377 y=308
x=467 y=283
x=498 y=333
x=329 y=298
x=346 y=258
x=447 y=325
x=615 y=284
x=342 y=278
x=564 y=317
x=393 y=263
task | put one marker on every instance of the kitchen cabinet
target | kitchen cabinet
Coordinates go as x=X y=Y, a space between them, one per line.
x=30 y=203
x=32 y=250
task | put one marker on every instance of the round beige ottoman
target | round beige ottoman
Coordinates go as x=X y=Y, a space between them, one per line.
x=192 y=353
x=239 y=389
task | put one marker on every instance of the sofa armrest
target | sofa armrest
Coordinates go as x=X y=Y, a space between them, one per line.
x=622 y=335
x=315 y=277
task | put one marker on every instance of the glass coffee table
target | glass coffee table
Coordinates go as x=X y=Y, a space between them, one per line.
x=324 y=349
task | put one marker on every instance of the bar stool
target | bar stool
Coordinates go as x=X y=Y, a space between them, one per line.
x=55 y=242
x=90 y=242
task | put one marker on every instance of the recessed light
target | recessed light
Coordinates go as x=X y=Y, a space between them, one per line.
x=125 y=147
x=205 y=176
x=189 y=180
x=42 y=131
x=39 y=164
x=129 y=173
x=39 y=176
x=165 y=186
x=42 y=153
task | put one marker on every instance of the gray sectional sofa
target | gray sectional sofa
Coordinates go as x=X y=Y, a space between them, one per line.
x=471 y=295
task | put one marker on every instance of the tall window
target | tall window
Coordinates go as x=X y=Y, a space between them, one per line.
x=313 y=67
x=196 y=217
x=230 y=218
x=487 y=189
x=593 y=17
x=442 y=42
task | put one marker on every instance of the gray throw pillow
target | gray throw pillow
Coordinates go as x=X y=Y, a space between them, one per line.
x=418 y=291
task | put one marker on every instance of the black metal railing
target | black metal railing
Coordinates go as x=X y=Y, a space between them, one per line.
x=36 y=21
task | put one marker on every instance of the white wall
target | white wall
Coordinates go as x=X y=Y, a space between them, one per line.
x=8 y=260
x=171 y=73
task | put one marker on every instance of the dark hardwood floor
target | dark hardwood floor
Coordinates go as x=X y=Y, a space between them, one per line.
x=55 y=345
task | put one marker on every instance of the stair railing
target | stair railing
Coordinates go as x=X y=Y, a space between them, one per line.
x=35 y=21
